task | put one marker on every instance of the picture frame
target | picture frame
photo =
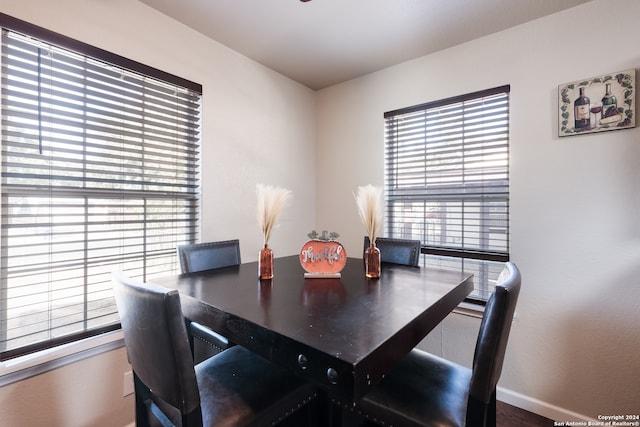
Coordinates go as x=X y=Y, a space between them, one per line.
x=597 y=104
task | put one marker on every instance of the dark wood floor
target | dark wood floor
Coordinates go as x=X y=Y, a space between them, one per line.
x=506 y=416
x=510 y=416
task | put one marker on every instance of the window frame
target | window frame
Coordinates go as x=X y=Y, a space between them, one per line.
x=487 y=262
x=55 y=39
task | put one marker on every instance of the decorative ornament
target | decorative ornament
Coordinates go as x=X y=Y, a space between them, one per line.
x=271 y=202
x=323 y=256
x=370 y=208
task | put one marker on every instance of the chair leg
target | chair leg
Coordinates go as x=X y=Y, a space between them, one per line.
x=141 y=395
x=480 y=414
x=491 y=411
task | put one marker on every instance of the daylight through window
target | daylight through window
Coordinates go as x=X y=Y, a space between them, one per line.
x=99 y=172
x=447 y=182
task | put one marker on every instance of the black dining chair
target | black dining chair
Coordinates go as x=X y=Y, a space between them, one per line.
x=235 y=387
x=426 y=390
x=197 y=257
x=397 y=251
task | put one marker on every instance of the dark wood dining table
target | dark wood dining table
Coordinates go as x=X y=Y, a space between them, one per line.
x=344 y=334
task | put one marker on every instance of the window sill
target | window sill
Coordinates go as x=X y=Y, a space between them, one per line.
x=29 y=365
x=475 y=310
x=469 y=309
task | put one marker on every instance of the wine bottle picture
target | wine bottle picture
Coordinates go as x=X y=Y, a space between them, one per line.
x=609 y=103
x=597 y=104
x=610 y=114
x=582 y=111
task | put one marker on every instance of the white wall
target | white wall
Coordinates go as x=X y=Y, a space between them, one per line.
x=258 y=127
x=574 y=201
x=84 y=393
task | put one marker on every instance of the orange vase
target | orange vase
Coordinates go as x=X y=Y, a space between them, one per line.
x=372 y=262
x=265 y=263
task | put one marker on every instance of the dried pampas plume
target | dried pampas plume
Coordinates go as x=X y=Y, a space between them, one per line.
x=370 y=207
x=271 y=202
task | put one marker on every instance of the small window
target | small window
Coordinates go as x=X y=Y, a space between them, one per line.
x=99 y=172
x=447 y=182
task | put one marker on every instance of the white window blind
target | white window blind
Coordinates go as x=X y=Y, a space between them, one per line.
x=447 y=182
x=99 y=172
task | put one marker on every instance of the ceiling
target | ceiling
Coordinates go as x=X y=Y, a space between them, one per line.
x=323 y=42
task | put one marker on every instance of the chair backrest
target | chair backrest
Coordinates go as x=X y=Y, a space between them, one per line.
x=494 y=334
x=397 y=251
x=207 y=256
x=157 y=343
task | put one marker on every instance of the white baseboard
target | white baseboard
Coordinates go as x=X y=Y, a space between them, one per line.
x=547 y=410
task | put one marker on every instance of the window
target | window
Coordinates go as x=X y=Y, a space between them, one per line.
x=447 y=182
x=99 y=172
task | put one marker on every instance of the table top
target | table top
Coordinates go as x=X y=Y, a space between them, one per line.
x=343 y=334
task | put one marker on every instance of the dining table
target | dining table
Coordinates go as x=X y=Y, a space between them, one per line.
x=342 y=333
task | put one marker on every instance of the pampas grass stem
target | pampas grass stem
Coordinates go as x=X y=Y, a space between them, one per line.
x=370 y=208
x=271 y=201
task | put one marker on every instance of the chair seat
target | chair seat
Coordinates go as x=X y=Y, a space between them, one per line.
x=423 y=390
x=241 y=386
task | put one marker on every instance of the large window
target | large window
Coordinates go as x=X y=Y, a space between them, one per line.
x=447 y=182
x=99 y=172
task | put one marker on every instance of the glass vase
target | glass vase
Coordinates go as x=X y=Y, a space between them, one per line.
x=372 y=262
x=265 y=263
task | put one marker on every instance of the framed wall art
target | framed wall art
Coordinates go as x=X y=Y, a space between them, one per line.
x=597 y=104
